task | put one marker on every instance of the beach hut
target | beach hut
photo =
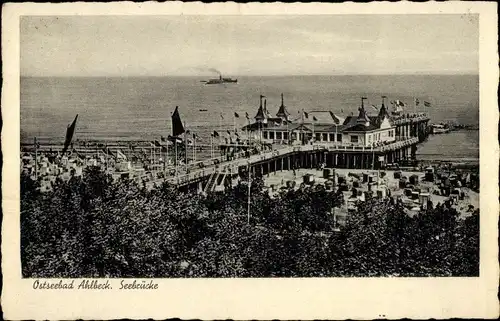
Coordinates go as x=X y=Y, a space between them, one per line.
x=424 y=198
x=414 y=179
x=343 y=187
x=328 y=173
x=429 y=174
x=308 y=179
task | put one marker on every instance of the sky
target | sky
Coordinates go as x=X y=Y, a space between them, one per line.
x=249 y=45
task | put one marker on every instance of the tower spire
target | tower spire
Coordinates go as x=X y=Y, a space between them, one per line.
x=282 y=112
x=362 y=117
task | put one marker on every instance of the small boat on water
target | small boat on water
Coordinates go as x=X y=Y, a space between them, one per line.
x=203 y=109
x=440 y=129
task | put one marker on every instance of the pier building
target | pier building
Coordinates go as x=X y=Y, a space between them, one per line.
x=315 y=139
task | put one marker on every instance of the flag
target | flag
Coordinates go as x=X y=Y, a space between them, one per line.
x=262 y=96
x=247 y=116
x=384 y=96
x=221 y=116
x=37 y=145
x=177 y=127
x=398 y=103
x=306 y=115
x=427 y=104
x=236 y=115
x=195 y=136
x=188 y=131
x=228 y=132
x=314 y=118
x=120 y=155
x=69 y=134
x=215 y=134
x=375 y=107
x=163 y=139
x=157 y=143
x=417 y=102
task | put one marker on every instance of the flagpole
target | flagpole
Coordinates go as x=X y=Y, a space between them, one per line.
x=106 y=157
x=186 y=146
x=373 y=157
x=175 y=156
x=313 y=136
x=301 y=128
x=194 y=148
x=249 y=192
x=36 y=159
x=211 y=146
x=166 y=159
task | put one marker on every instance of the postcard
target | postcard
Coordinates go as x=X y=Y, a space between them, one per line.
x=250 y=161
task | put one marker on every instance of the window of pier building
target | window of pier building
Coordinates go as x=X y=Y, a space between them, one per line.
x=325 y=137
x=369 y=137
x=285 y=135
x=279 y=135
x=354 y=139
x=318 y=137
x=332 y=137
x=265 y=135
x=339 y=137
x=271 y=135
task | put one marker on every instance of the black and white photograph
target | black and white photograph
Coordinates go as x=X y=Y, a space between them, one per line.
x=258 y=146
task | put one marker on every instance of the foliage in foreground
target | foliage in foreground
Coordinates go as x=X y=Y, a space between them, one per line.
x=92 y=227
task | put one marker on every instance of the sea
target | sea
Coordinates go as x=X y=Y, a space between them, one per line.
x=140 y=108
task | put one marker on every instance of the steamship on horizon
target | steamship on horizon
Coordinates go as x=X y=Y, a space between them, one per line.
x=220 y=80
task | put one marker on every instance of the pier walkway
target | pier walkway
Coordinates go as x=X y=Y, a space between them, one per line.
x=286 y=158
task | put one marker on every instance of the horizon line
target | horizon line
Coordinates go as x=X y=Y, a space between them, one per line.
x=277 y=75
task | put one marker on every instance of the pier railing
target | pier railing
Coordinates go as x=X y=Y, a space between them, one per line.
x=409 y=118
x=233 y=165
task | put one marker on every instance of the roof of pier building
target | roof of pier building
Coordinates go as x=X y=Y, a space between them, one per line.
x=364 y=122
x=282 y=111
x=318 y=128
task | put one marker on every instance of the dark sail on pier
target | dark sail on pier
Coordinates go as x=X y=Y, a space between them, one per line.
x=69 y=134
x=177 y=126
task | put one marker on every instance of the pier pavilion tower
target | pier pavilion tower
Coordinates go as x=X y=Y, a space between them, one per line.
x=282 y=112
